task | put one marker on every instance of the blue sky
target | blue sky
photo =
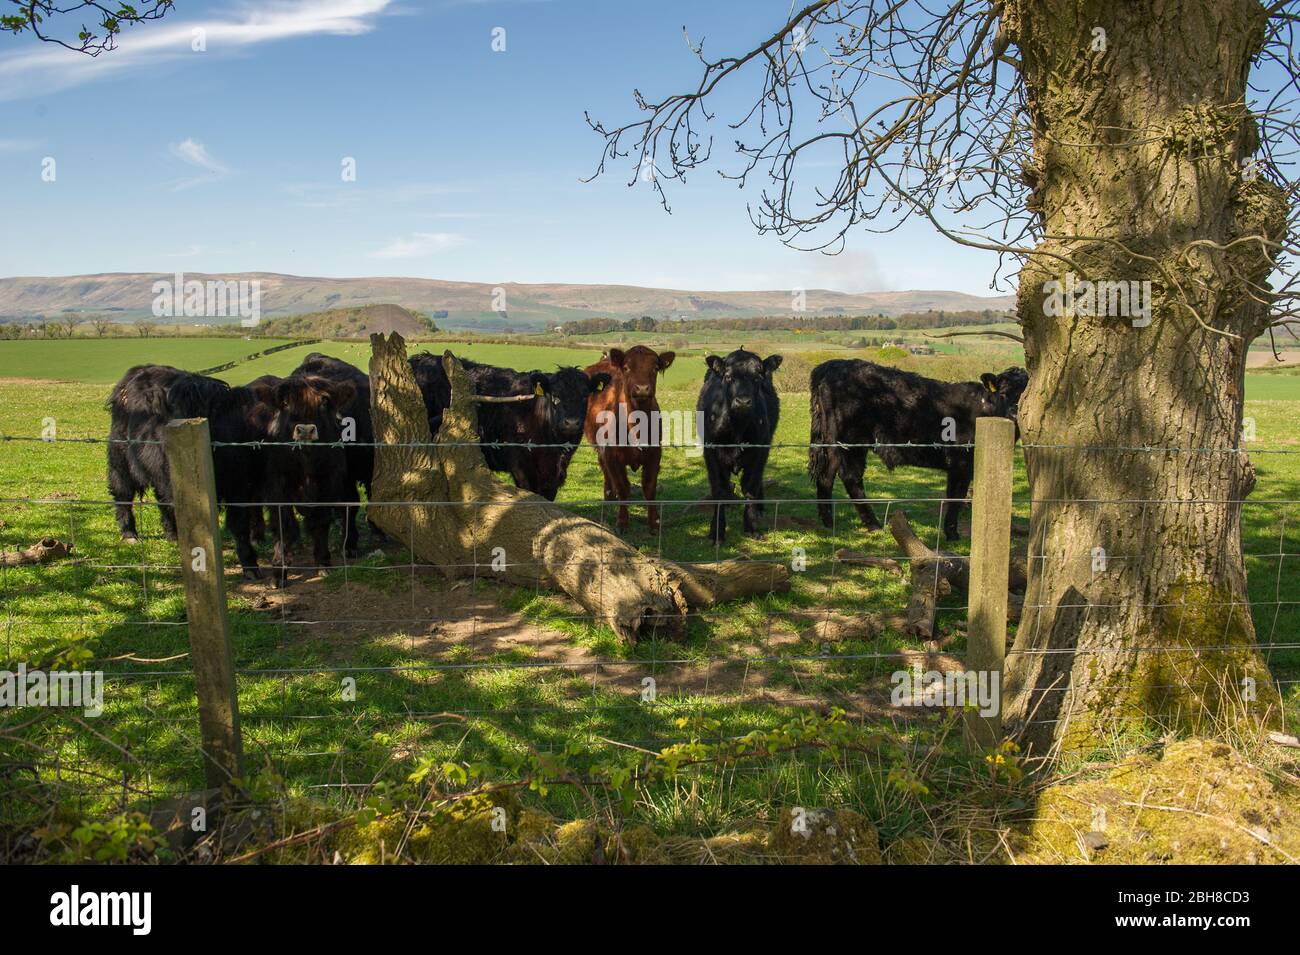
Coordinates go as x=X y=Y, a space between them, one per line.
x=468 y=161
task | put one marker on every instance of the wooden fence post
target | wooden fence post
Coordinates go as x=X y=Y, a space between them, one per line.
x=990 y=559
x=194 y=492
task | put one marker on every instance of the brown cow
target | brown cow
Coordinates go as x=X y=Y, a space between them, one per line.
x=611 y=427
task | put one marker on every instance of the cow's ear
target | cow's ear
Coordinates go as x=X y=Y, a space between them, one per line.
x=771 y=363
x=284 y=393
x=715 y=364
x=617 y=357
x=990 y=382
x=263 y=391
x=600 y=381
x=342 y=392
x=666 y=359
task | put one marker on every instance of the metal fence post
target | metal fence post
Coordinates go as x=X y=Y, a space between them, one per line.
x=990 y=559
x=189 y=459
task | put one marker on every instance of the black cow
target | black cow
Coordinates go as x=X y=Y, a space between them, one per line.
x=856 y=402
x=298 y=408
x=740 y=407
x=552 y=421
x=305 y=469
x=141 y=404
x=361 y=455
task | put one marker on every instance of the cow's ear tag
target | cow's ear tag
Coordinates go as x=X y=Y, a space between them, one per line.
x=537 y=389
x=991 y=386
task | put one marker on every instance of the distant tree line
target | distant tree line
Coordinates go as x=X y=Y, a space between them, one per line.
x=790 y=323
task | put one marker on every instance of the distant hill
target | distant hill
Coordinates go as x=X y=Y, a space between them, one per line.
x=359 y=322
x=129 y=296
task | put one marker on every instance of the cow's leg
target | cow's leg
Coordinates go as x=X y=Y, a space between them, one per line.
x=959 y=478
x=166 y=511
x=606 y=473
x=751 y=484
x=649 y=484
x=284 y=528
x=318 y=521
x=622 y=493
x=257 y=524
x=376 y=533
x=238 y=521
x=853 y=464
x=351 y=537
x=719 y=492
x=824 y=485
x=123 y=490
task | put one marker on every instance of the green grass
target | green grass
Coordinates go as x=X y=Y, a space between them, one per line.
x=94 y=361
x=124 y=599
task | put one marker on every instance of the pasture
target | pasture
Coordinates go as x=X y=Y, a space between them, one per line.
x=479 y=673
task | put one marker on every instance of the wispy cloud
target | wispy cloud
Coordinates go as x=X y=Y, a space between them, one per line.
x=418 y=245
x=197 y=155
x=47 y=68
x=18 y=145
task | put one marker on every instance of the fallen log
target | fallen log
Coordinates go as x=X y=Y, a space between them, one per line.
x=935 y=575
x=717 y=582
x=44 y=550
x=436 y=495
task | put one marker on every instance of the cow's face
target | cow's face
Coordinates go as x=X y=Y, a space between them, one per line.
x=744 y=379
x=1001 y=394
x=307 y=409
x=641 y=367
x=562 y=401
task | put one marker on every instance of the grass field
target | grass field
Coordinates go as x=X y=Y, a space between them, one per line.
x=516 y=668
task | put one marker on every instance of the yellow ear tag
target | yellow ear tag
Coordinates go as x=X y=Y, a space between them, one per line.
x=537 y=390
x=991 y=386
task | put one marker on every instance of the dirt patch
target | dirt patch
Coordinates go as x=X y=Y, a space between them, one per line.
x=441 y=621
x=1263 y=358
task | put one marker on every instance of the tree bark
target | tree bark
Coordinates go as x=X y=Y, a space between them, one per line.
x=1138 y=151
x=437 y=496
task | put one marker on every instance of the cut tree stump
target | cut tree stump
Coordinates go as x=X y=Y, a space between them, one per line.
x=44 y=550
x=436 y=495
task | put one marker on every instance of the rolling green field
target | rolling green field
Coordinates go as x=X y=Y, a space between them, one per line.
x=475 y=671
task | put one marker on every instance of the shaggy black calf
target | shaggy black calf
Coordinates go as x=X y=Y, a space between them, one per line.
x=740 y=407
x=361 y=454
x=304 y=468
x=552 y=421
x=859 y=403
x=141 y=404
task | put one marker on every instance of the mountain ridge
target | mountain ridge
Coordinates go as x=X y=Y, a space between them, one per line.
x=452 y=303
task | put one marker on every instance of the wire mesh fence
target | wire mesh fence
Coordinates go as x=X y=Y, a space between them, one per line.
x=356 y=671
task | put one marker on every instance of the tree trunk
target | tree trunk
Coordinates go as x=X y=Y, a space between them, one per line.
x=1138 y=151
x=442 y=502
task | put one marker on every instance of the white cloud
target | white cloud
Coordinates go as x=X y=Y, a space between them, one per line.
x=47 y=68
x=18 y=145
x=418 y=245
x=197 y=155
